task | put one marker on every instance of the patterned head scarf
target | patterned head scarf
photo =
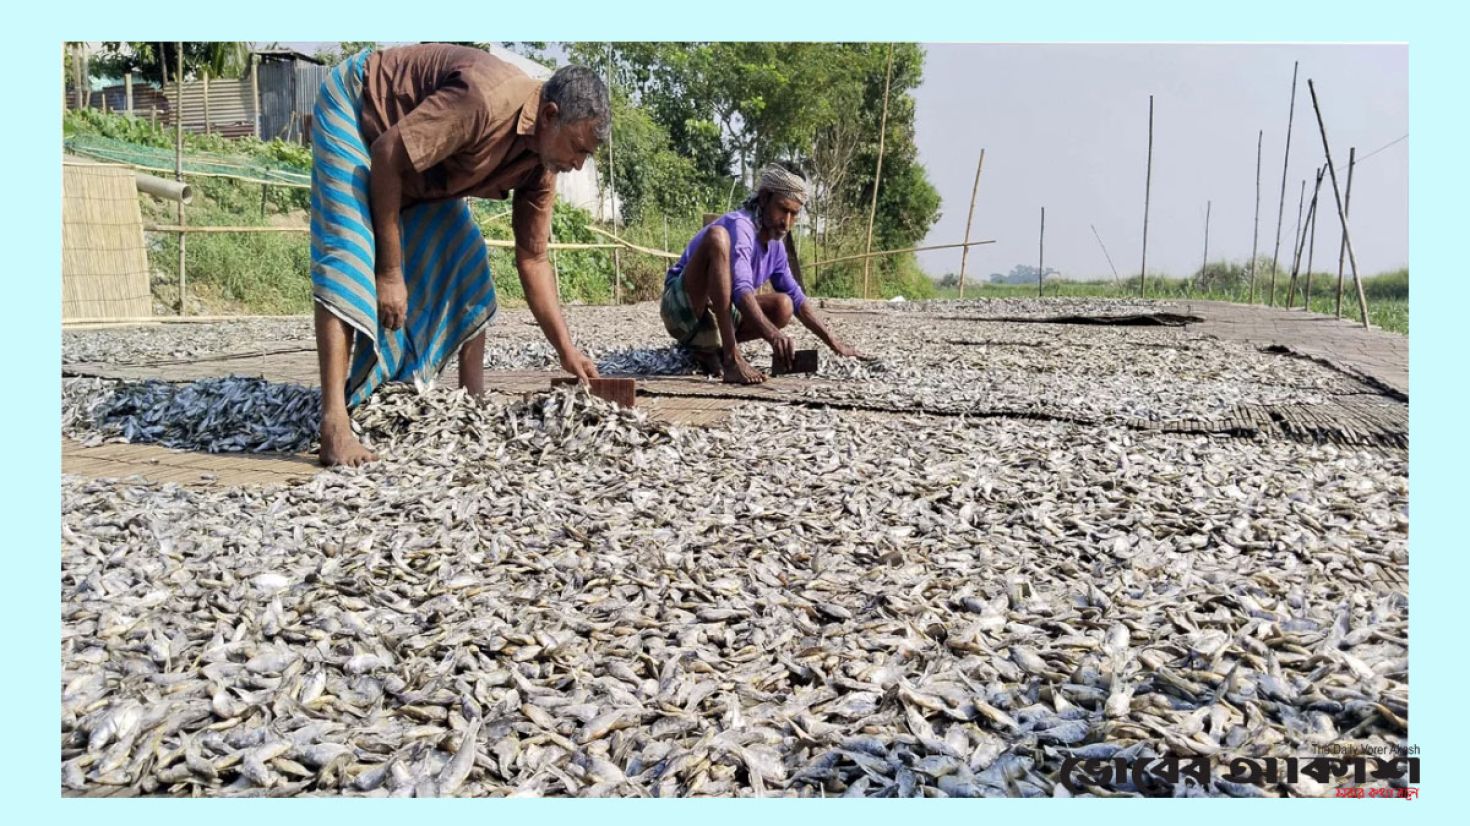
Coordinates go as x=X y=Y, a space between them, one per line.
x=783 y=183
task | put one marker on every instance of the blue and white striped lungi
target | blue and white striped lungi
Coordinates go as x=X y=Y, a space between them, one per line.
x=446 y=268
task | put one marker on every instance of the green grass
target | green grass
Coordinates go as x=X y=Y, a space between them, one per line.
x=1387 y=294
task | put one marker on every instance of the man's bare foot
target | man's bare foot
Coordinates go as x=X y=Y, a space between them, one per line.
x=708 y=362
x=737 y=371
x=341 y=447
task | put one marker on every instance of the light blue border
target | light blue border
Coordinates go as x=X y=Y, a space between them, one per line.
x=1437 y=71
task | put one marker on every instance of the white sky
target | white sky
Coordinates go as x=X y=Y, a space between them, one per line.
x=1066 y=127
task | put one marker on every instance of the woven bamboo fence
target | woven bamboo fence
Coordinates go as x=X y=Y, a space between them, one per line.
x=104 y=263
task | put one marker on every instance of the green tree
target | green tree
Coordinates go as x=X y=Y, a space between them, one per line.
x=536 y=50
x=650 y=178
x=159 y=61
x=343 y=50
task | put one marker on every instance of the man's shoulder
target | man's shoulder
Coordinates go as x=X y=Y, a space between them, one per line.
x=476 y=65
x=739 y=225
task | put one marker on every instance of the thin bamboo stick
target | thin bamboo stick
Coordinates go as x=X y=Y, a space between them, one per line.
x=645 y=250
x=974 y=190
x=878 y=173
x=179 y=167
x=898 y=252
x=1341 y=210
x=1116 y=280
x=255 y=93
x=1301 y=241
x=1256 y=226
x=1311 y=253
x=1347 y=200
x=1296 y=238
x=490 y=242
x=1281 y=207
x=1040 y=257
x=1205 y=264
x=1147 y=185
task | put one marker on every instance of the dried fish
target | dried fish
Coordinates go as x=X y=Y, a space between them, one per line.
x=556 y=596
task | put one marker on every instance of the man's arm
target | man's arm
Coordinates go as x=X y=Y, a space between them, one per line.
x=811 y=321
x=783 y=281
x=435 y=129
x=531 y=207
x=389 y=161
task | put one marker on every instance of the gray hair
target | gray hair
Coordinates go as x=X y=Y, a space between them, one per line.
x=579 y=94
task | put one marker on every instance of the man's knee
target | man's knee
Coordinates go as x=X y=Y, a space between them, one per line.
x=783 y=310
x=716 y=242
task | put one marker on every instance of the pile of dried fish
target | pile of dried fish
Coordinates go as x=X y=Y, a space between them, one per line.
x=646 y=361
x=433 y=427
x=226 y=415
x=561 y=597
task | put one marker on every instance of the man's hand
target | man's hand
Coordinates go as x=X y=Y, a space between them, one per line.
x=782 y=350
x=847 y=351
x=574 y=362
x=392 y=298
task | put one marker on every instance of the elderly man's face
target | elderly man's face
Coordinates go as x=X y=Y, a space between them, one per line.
x=561 y=146
x=780 y=215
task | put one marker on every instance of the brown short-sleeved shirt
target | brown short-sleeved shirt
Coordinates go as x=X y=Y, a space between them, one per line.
x=466 y=118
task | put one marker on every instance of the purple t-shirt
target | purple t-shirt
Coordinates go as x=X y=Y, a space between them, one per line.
x=750 y=265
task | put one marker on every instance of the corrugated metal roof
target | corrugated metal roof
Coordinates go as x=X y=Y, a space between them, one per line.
x=289 y=54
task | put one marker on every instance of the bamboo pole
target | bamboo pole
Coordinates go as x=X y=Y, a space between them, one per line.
x=128 y=93
x=816 y=249
x=618 y=270
x=974 y=190
x=1205 y=264
x=645 y=250
x=212 y=230
x=612 y=183
x=1341 y=210
x=793 y=259
x=1302 y=239
x=76 y=76
x=1296 y=238
x=1311 y=252
x=1256 y=226
x=1281 y=207
x=674 y=256
x=206 y=101
x=882 y=253
x=179 y=167
x=1147 y=186
x=255 y=92
x=489 y=242
x=83 y=75
x=508 y=244
x=878 y=173
x=1116 y=280
x=612 y=167
x=1040 y=258
x=1342 y=247
x=155 y=320
x=198 y=173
